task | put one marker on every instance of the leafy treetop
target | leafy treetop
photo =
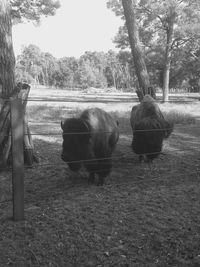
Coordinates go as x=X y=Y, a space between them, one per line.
x=32 y=10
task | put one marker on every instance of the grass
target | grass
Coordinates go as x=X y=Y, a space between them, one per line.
x=50 y=113
x=44 y=112
x=178 y=117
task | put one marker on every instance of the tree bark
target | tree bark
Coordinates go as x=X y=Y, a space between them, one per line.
x=168 y=55
x=137 y=53
x=8 y=88
x=114 y=79
x=21 y=91
x=127 y=76
x=7 y=58
x=7 y=78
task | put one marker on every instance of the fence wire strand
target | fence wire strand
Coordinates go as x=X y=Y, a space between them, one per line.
x=107 y=132
x=128 y=99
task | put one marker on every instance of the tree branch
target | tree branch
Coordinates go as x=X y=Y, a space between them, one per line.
x=150 y=11
x=179 y=41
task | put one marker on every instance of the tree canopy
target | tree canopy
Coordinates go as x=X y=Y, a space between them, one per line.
x=167 y=28
x=26 y=10
x=153 y=18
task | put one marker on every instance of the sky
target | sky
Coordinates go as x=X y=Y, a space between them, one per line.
x=78 y=26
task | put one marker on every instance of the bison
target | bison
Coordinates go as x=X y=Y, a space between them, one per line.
x=89 y=141
x=149 y=128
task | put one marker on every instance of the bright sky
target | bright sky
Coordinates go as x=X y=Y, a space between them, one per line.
x=78 y=26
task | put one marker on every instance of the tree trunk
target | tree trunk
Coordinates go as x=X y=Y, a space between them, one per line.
x=137 y=54
x=7 y=58
x=114 y=80
x=7 y=78
x=127 y=76
x=168 y=55
x=7 y=82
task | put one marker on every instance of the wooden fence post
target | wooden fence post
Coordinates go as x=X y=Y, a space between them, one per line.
x=17 y=137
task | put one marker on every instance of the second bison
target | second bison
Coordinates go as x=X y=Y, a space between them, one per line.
x=150 y=128
x=90 y=141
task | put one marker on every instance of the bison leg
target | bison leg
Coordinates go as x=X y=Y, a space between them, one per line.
x=91 y=177
x=101 y=180
x=105 y=167
x=141 y=158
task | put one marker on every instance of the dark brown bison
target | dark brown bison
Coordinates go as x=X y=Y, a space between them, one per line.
x=90 y=141
x=150 y=128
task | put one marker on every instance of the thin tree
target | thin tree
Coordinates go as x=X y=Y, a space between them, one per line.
x=168 y=52
x=129 y=7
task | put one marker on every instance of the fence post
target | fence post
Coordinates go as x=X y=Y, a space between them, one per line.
x=17 y=132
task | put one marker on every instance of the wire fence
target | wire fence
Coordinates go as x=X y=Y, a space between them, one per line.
x=129 y=157
x=172 y=99
x=101 y=132
x=122 y=160
x=60 y=133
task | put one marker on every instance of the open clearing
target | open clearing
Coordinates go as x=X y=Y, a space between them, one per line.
x=144 y=215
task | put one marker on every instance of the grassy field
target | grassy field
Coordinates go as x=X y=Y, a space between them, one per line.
x=144 y=215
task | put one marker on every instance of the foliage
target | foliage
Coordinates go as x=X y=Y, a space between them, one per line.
x=30 y=63
x=92 y=69
x=154 y=18
x=111 y=69
x=26 y=10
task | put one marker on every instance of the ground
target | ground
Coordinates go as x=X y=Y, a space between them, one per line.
x=144 y=215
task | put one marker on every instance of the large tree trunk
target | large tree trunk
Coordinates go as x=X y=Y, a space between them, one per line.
x=8 y=88
x=20 y=91
x=168 y=55
x=7 y=78
x=137 y=53
x=7 y=58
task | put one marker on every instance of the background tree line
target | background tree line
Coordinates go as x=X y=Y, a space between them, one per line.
x=111 y=69
x=92 y=69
